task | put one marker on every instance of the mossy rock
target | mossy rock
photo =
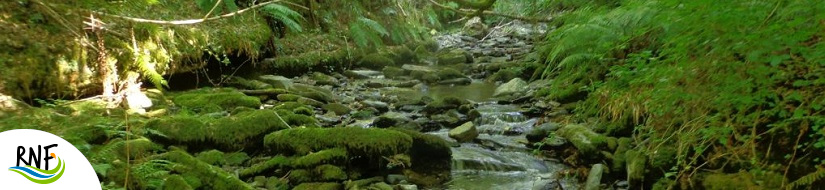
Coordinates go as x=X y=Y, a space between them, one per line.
x=235 y=158
x=175 y=182
x=425 y=76
x=329 y=172
x=314 y=92
x=289 y=106
x=662 y=157
x=450 y=73
x=403 y=55
x=393 y=72
x=301 y=176
x=663 y=184
x=210 y=176
x=357 y=141
x=268 y=165
x=206 y=100
x=309 y=101
x=444 y=104
x=337 y=108
x=244 y=130
x=636 y=163
x=180 y=129
x=288 y=97
x=212 y=157
x=428 y=151
x=375 y=61
x=505 y=75
x=324 y=79
x=741 y=180
x=319 y=186
x=588 y=143
x=456 y=56
x=328 y=156
x=243 y=83
x=619 y=158
x=297 y=120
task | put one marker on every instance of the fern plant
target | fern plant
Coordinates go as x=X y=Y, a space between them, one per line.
x=224 y=6
x=285 y=15
x=367 y=32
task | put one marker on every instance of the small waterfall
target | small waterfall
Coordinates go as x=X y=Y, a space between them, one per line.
x=502 y=120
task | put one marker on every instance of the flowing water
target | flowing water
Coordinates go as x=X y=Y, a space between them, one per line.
x=498 y=158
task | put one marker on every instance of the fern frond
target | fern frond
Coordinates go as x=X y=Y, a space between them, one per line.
x=808 y=179
x=375 y=26
x=286 y=15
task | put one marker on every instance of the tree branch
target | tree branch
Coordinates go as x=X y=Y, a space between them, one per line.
x=463 y=12
x=190 y=21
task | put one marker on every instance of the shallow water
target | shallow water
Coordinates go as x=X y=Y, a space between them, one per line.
x=477 y=91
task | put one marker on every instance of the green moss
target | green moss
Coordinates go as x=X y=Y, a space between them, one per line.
x=583 y=138
x=338 y=108
x=663 y=157
x=619 y=157
x=249 y=84
x=741 y=180
x=444 y=104
x=211 y=176
x=375 y=61
x=504 y=75
x=212 y=157
x=663 y=184
x=245 y=129
x=319 y=186
x=309 y=101
x=393 y=72
x=361 y=183
x=453 y=57
x=268 y=165
x=450 y=73
x=206 y=99
x=328 y=172
x=428 y=150
x=363 y=114
x=175 y=182
x=304 y=111
x=92 y=134
x=333 y=155
x=235 y=158
x=313 y=92
x=301 y=176
x=290 y=106
x=180 y=129
x=636 y=161
x=297 y=120
x=288 y=97
x=357 y=141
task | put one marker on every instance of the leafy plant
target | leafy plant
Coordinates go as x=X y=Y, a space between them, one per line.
x=367 y=32
x=284 y=14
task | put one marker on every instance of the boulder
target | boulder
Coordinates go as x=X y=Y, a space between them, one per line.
x=276 y=81
x=338 y=108
x=514 y=86
x=393 y=72
x=391 y=119
x=381 y=106
x=595 y=177
x=313 y=92
x=362 y=74
x=584 y=139
x=375 y=61
x=323 y=79
x=464 y=133
x=475 y=27
x=455 y=56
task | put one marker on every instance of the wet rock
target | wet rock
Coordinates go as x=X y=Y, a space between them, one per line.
x=337 y=108
x=584 y=139
x=391 y=119
x=545 y=184
x=408 y=83
x=408 y=187
x=381 y=106
x=464 y=133
x=444 y=104
x=514 y=86
x=595 y=177
x=411 y=68
x=446 y=120
x=328 y=119
x=540 y=132
x=362 y=74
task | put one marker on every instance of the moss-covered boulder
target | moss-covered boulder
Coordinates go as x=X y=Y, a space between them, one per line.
x=324 y=79
x=314 y=92
x=584 y=139
x=636 y=163
x=244 y=130
x=329 y=172
x=211 y=100
x=456 y=56
x=357 y=141
x=393 y=72
x=288 y=97
x=337 y=108
x=208 y=176
x=319 y=186
x=175 y=182
x=276 y=81
x=243 y=83
x=375 y=61
x=741 y=180
x=182 y=129
x=444 y=104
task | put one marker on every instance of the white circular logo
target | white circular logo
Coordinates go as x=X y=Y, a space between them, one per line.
x=36 y=159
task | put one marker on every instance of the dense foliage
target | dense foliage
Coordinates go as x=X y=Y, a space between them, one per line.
x=718 y=85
